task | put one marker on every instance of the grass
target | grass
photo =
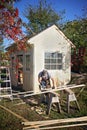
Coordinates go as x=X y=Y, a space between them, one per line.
x=28 y=110
x=7 y=121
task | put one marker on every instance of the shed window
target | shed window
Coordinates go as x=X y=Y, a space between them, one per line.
x=53 y=61
x=20 y=60
x=27 y=62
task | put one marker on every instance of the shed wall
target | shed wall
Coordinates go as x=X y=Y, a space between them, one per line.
x=51 y=41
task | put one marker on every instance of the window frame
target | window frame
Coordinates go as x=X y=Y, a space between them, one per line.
x=27 y=61
x=20 y=58
x=51 y=60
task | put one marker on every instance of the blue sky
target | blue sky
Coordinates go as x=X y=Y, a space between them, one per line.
x=73 y=8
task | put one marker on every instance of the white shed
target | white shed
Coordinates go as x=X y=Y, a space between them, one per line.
x=51 y=50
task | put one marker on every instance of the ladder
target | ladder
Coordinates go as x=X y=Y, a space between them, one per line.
x=5 y=83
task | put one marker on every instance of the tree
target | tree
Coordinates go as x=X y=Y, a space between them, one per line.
x=76 y=31
x=1 y=49
x=41 y=16
x=11 y=23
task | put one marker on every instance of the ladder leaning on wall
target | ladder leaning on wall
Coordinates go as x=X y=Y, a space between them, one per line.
x=5 y=83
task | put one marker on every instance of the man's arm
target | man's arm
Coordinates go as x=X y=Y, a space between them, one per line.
x=53 y=83
x=39 y=79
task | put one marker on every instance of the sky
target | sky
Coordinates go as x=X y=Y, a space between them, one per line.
x=72 y=8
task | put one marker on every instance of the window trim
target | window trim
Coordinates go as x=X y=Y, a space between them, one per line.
x=27 y=64
x=53 y=56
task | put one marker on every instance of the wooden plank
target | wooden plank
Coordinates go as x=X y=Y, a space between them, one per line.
x=69 y=91
x=57 y=127
x=47 y=122
x=13 y=113
x=60 y=88
x=7 y=95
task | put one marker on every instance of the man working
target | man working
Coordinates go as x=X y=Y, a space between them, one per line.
x=44 y=80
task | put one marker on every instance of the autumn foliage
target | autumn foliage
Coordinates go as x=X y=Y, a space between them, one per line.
x=78 y=58
x=10 y=22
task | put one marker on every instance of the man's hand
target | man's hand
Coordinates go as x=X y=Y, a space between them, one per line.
x=53 y=87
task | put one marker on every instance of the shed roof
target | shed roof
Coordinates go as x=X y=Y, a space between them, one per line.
x=53 y=27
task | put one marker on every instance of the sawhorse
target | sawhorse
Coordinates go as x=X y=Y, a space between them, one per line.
x=53 y=98
x=70 y=98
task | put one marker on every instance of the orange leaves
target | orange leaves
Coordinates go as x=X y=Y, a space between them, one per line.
x=16 y=12
x=10 y=24
x=11 y=20
x=22 y=45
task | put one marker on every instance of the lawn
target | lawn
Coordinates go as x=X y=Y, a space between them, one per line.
x=29 y=109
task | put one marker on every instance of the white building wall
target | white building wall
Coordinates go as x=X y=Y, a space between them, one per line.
x=51 y=41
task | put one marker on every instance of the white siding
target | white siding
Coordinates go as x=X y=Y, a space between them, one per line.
x=51 y=40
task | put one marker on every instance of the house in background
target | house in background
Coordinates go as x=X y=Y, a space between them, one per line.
x=51 y=50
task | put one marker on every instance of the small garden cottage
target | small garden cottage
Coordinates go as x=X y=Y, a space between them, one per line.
x=51 y=50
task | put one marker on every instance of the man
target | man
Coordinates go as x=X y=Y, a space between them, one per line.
x=44 y=79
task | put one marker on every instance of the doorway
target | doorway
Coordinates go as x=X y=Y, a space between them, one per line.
x=20 y=70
